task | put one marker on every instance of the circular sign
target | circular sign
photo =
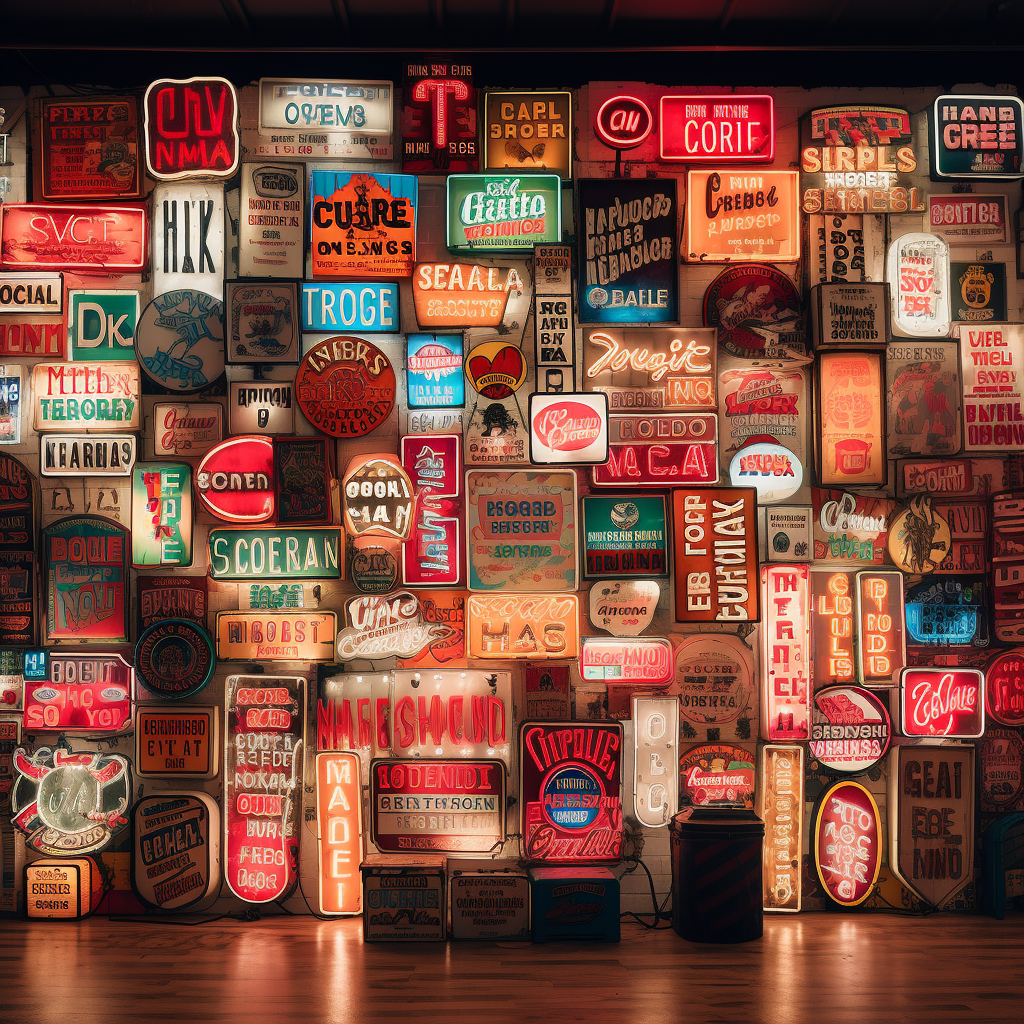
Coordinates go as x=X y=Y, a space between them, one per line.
x=749 y=303
x=771 y=469
x=174 y=658
x=847 y=852
x=179 y=341
x=919 y=538
x=625 y=515
x=378 y=497
x=623 y=122
x=850 y=728
x=1004 y=688
x=374 y=564
x=345 y=386
x=235 y=480
x=572 y=797
x=496 y=369
x=714 y=680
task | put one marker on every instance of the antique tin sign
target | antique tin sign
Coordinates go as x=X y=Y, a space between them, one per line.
x=789 y=533
x=30 y=334
x=66 y=455
x=260 y=407
x=12 y=693
x=625 y=538
x=161 y=514
x=302 y=477
x=523 y=627
x=881 y=638
x=374 y=563
x=180 y=742
x=847 y=846
x=387 y=626
x=84 y=695
x=271 y=223
x=464 y=294
x=570 y=803
x=968 y=219
x=850 y=729
x=496 y=430
x=757 y=311
x=716 y=560
x=235 y=480
x=41 y=293
x=623 y=607
x=547 y=692
x=851 y=419
x=496 y=213
x=65 y=889
x=850 y=527
x=171 y=597
x=655 y=755
x=554 y=324
x=714 y=681
x=923 y=398
x=772 y=469
x=378 y=497
x=367 y=307
x=968 y=525
x=977 y=292
x=101 y=324
x=977 y=138
x=716 y=775
x=188 y=238
x=276 y=553
x=992 y=368
x=786 y=652
x=263 y=321
x=850 y=315
x=276 y=636
x=191 y=128
x=339 y=830
x=86 y=561
x=671 y=450
x=919 y=538
x=86 y=396
x=439 y=130
x=950 y=477
x=522 y=530
x=780 y=806
x=174 y=658
x=942 y=702
x=717 y=128
x=917 y=269
x=179 y=341
x=1004 y=688
x=1000 y=771
x=528 y=131
x=186 y=428
x=433 y=371
x=641 y=662
x=432 y=555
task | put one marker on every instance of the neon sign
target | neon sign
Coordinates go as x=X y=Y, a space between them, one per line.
x=276 y=636
x=623 y=122
x=851 y=419
x=786 y=703
x=656 y=753
x=370 y=307
x=774 y=471
x=448 y=295
x=917 y=269
x=499 y=214
x=722 y=128
x=339 y=830
x=387 y=626
x=1004 y=688
x=881 y=647
x=847 y=851
x=532 y=627
x=353 y=713
x=644 y=661
x=781 y=806
x=673 y=450
x=434 y=376
x=439 y=118
x=716 y=775
x=850 y=728
x=235 y=480
x=942 y=702
x=832 y=597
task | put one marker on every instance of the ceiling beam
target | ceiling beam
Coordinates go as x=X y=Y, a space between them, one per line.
x=611 y=12
x=726 y=16
x=510 y=15
x=237 y=15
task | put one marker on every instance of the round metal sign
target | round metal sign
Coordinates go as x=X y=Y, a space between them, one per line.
x=754 y=306
x=174 y=658
x=919 y=538
x=235 y=480
x=1004 y=688
x=179 y=341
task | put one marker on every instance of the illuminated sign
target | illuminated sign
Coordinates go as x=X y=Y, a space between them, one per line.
x=64 y=889
x=185 y=428
x=36 y=293
x=271 y=223
x=86 y=560
x=88 y=238
x=191 y=128
x=260 y=407
x=714 y=681
x=345 y=386
x=86 y=396
x=850 y=729
x=336 y=109
x=387 y=626
x=716 y=775
x=847 y=843
x=716 y=555
x=434 y=377
x=850 y=528
x=439 y=133
x=851 y=418
x=463 y=294
x=368 y=307
x=339 y=831
x=303 y=479
x=263 y=758
x=857 y=159
x=643 y=662
x=263 y=321
x=522 y=529
x=850 y=315
x=432 y=555
x=992 y=366
x=919 y=538
x=448 y=806
x=354 y=713
x=757 y=311
x=917 y=269
x=188 y=238
x=781 y=807
x=978 y=138
x=171 y=597
x=446 y=611
x=718 y=128
x=623 y=122
x=533 y=627
x=772 y=469
x=84 y=695
x=832 y=597
x=179 y=340
x=923 y=398
x=1004 y=688
x=276 y=636
x=275 y=553
x=672 y=450
x=786 y=701
x=70 y=802
x=742 y=215
x=161 y=514
x=528 y=131
x=101 y=324
x=951 y=612
x=174 y=658
x=81 y=455
x=623 y=607
x=10 y=404
x=968 y=219
x=931 y=819
x=881 y=646
x=615 y=286
x=235 y=480
x=502 y=214
x=378 y=497
x=655 y=755
x=942 y=702
x=1001 y=771
x=179 y=742
x=570 y=779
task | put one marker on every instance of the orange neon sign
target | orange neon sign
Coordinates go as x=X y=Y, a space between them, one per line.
x=339 y=826
x=881 y=648
x=832 y=613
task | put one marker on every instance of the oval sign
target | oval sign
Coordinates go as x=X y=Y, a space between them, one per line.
x=562 y=424
x=496 y=369
x=235 y=480
x=174 y=658
x=623 y=122
x=771 y=469
x=847 y=852
x=623 y=607
x=850 y=728
x=179 y=341
x=919 y=538
x=1004 y=688
x=750 y=303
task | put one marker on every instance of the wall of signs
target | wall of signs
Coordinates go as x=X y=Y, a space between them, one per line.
x=383 y=447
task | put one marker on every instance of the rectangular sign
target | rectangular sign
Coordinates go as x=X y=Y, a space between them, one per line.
x=969 y=533
x=923 y=397
x=336 y=108
x=977 y=292
x=655 y=756
x=302 y=479
x=672 y=450
x=850 y=528
x=171 y=597
x=850 y=315
x=942 y=477
x=942 y=702
x=528 y=131
x=832 y=626
x=636 y=661
x=526 y=627
x=188 y=237
x=86 y=694
x=503 y=213
x=261 y=407
x=625 y=538
x=978 y=138
x=181 y=743
x=781 y=807
x=262 y=322
x=444 y=806
x=276 y=553
x=992 y=370
x=439 y=119
x=29 y=335
x=968 y=219
x=339 y=830
x=162 y=514
x=789 y=533
x=851 y=419
x=434 y=371
x=271 y=221
x=82 y=455
x=187 y=428
x=86 y=396
x=786 y=702
x=881 y=629
x=432 y=554
x=448 y=295
x=276 y=636
x=11 y=394
x=724 y=128
x=367 y=307
x=39 y=293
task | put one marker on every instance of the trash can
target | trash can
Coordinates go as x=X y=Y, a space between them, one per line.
x=716 y=875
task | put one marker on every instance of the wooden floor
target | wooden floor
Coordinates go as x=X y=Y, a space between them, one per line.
x=824 y=968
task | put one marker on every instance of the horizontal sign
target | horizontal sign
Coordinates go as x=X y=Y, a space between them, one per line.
x=462 y=294
x=276 y=554
x=183 y=743
x=642 y=661
x=31 y=335
x=978 y=137
x=722 y=128
x=82 y=455
x=528 y=131
x=523 y=627
x=276 y=636
x=968 y=219
x=942 y=702
x=671 y=450
x=186 y=428
x=86 y=396
x=32 y=293
x=501 y=213
x=335 y=108
x=625 y=538
x=85 y=694
x=367 y=307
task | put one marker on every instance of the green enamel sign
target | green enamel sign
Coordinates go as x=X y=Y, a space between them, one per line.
x=101 y=324
x=276 y=554
x=503 y=212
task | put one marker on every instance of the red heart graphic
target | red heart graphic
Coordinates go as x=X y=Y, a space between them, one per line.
x=508 y=362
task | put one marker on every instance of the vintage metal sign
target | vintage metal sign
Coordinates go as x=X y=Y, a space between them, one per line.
x=66 y=455
x=171 y=597
x=161 y=514
x=367 y=307
x=303 y=479
x=339 y=110
x=851 y=419
x=363 y=225
x=623 y=122
x=264 y=753
x=378 y=497
x=942 y=702
x=84 y=695
x=786 y=701
x=276 y=636
x=339 y=830
x=967 y=523
x=718 y=128
x=528 y=131
x=789 y=533
x=496 y=431
x=188 y=238
x=640 y=662
x=968 y=219
x=374 y=563
x=756 y=310
x=568 y=429
x=86 y=560
x=445 y=610
x=850 y=315
x=917 y=268
x=184 y=428
x=881 y=637
x=432 y=555
x=41 y=293
x=1008 y=565
x=260 y=407
x=655 y=755
x=191 y=128
x=978 y=138
x=847 y=847
x=183 y=743
x=65 y=889
x=714 y=684
x=992 y=370
x=1000 y=771
x=276 y=553
x=101 y=324
x=772 y=469
x=850 y=729
x=850 y=528
x=623 y=607
x=570 y=778
x=923 y=398
x=433 y=371
x=503 y=213
x=554 y=320
x=32 y=335
x=12 y=693
x=919 y=538
x=781 y=807
x=235 y=480
x=670 y=450
x=533 y=627
x=263 y=322
x=271 y=222
x=638 y=283
x=439 y=130
x=716 y=555
x=450 y=806
x=387 y=626
x=716 y=775
x=179 y=341
x=1004 y=688
x=943 y=477
x=464 y=294
x=977 y=292
x=174 y=658
x=86 y=396
x=522 y=530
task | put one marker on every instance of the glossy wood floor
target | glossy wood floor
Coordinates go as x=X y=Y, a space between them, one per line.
x=823 y=968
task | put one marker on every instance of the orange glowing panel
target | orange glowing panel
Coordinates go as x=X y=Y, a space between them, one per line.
x=851 y=419
x=525 y=627
x=881 y=648
x=832 y=596
x=339 y=827
x=786 y=703
x=781 y=807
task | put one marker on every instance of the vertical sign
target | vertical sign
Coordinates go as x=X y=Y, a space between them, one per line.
x=439 y=119
x=992 y=371
x=847 y=843
x=188 y=238
x=851 y=419
x=832 y=597
x=786 y=707
x=881 y=647
x=271 y=221
x=339 y=827
x=17 y=553
x=432 y=555
x=554 y=323
x=781 y=806
x=917 y=269
x=656 y=756
x=161 y=514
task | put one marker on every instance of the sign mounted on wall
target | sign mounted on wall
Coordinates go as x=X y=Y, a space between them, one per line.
x=101 y=324
x=781 y=806
x=640 y=662
x=655 y=755
x=276 y=636
x=716 y=775
x=881 y=646
x=568 y=429
x=179 y=341
x=847 y=847
x=1004 y=688
x=390 y=625
x=432 y=555
x=271 y=222
x=276 y=553
x=625 y=538
x=86 y=396
x=673 y=450
x=992 y=371
x=378 y=497
x=528 y=131
x=84 y=694
x=235 y=480
x=977 y=292
x=968 y=219
x=434 y=375
x=188 y=237
x=773 y=470
x=450 y=295
x=623 y=122
x=303 y=479
x=850 y=315
x=942 y=702
x=65 y=455
x=367 y=307
x=171 y=597
x=181 y=742
x=850 y=729
x=262 y=322
x=439 y=133
x=718 y=128
x=526 y=627
x=161 y=514
x=715 y=687
x=339 y=830
x=977 y=138
x=503 y=213
x=260 y=407
x=174 y=658
x=923 y=398
x=917 y=268
x=786 y=700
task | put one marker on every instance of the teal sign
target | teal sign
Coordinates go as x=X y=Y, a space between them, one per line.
x=276 y=554
x=101 y=324
x=503 y=213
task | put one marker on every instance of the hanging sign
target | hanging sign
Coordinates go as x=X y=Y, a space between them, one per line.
x=781 y=807
x=714 y=684
x=65 y=455
x=262 y=322
x=850 y=528
x=756 y=310
x=439 y=130
x=977 y=292
x=832 y=626
x=433 y=371
x=339 y=832
x=445 y=611
x=1004 y=688
x=176 y=850
x=716 y=560
x=86 y=560
x=180 y=742
x=503 y=213
x=1000 y=771
x=275 y=553
x=432 y=555
x=463 y=294
x=185 y=428
x=528 y=131
x=271 y=222
x=851 y=418
x=623 y=607
x=533 y=627
x=41 y=293
x=174 y=658
x=992 y=369
x=786 y=701
x=771 y=469
x=655 y=755
x=856 y=159
x=378 y=497
x=449 y=806
x=716 y=775
x=303 y=479
x=387 y=626
x=345 y=386
x=931 y=819
x=235 y=480
x=917 y=269
x=88 y=238
x=942 y=702
x=84 y=695
x=368 y=307
x=718 y=128
x=850 y=729
x=101 y=324
x=188 y=238
x=978 y=138
x=919 y=538
x=672 y=450
x=263 y=759
x=881 y=646
x=179 y=341
x=68 y=802
x=276 y=636
x=191 y=128
x=968 y=219
x=86 y=396
x=742 y=215
x=570 y=781
x=847 y=843
x=260 y=407
x=923 y=398
x=641 y=662
x=568 y=429
x=628 y=264
x=161 y=514
x=363 y=225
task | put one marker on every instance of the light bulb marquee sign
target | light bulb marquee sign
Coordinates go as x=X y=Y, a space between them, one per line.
x=781 y=806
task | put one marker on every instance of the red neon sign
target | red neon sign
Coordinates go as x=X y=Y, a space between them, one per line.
x=437 y=91
x=720 y=128
x=643 y=661
x=786 y=707
x=1004 y=688
x=623 y=122
x=847 y=853
x=942 y=702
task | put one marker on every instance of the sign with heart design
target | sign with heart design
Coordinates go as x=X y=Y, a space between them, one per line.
x=496 y=369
